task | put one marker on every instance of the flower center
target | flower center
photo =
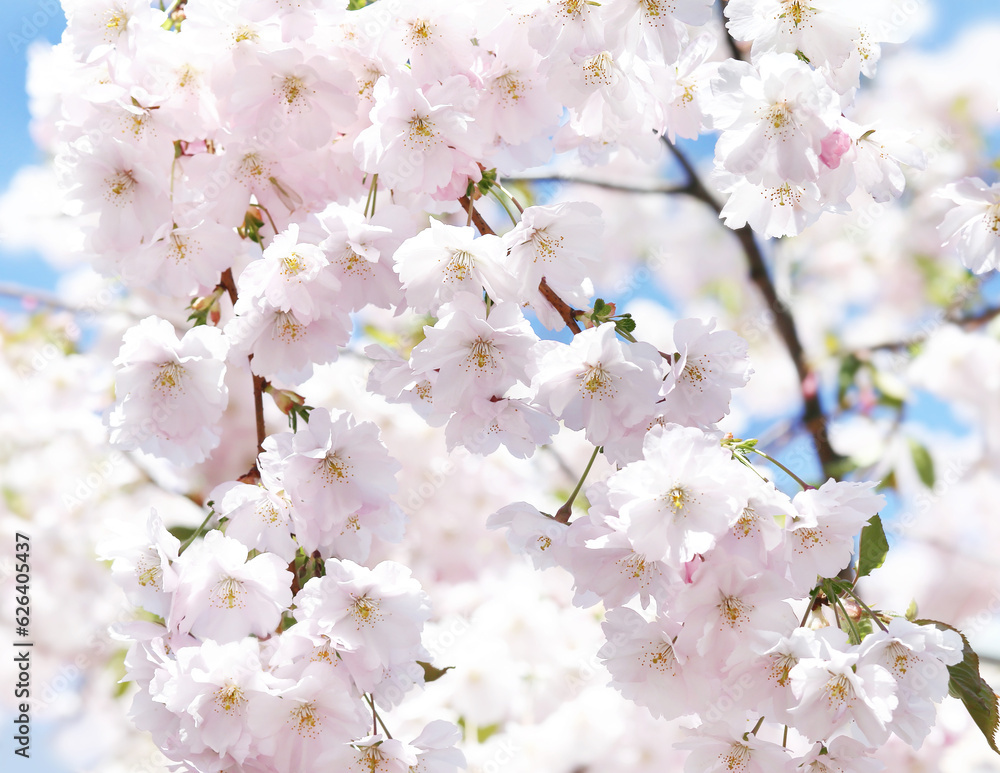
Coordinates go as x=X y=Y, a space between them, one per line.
x=598 y=70
x=736 y=759
x=839 y=691
x=230 y=697
x=293 y=90
x=168 y=377
x=596 y=381
x=306 y=721
x=366 y=611
x=660 y=659
x=228 y=593
x=120 y=186
x=734 y=611
x=483 y=354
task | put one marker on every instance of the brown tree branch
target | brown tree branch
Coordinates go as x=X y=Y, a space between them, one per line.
x=566 y=311
x=812 y=410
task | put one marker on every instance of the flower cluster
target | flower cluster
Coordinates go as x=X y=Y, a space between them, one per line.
x=273 y=166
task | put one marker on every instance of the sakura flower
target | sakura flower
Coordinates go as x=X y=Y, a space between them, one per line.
x=377 y=754
x=211 y=688
x=727 y=611
x=657 y=26
x=142 y=564
x=170 y=393
x=291 y=276
x=782 y=209
x=681 y=497
x=646 y=668
x=708 y=366
x=443 y=261
x=841 y=755
x=340 y=478
x=223 y=596
x=837 y=695
x=183 y=260
x=307 y=721
x=821 y=533
x=257 y=516
x=756 y=536
x=917 y=656
x=605 y=564
x=597 y=383
x=773 y=119
x=127 y=190
x=434 y=37
x=556 y=243
x=283 y=345
x=308 y=98
x=94 y=26
x=485 y=423
x=728 y=747
x=530 y=532
x=359 y=251
x=822 y=30
x=880 y=152
x=421 y=139
x=376 y=613
x=681 y=88
x=514 y=105
x=438 y=750
x=476 y=352
x=971 y=228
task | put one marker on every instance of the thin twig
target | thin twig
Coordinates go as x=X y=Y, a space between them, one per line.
x=567 y=312
x=258 y=408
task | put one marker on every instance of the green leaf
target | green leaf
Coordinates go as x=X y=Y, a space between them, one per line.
x=433 y=673
x=487 y=181
x=966 y=684
x=872 y=548
x=911 y=611
x=199 y=317
x=626 y=324
x=923 y=461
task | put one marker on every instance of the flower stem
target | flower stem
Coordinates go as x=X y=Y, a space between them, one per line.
x=376 y=718
x=867 y=609
x=809 y=608
x=503 y=203
x=372 y=193
x=196 y=532
x=780 y=466
x=563 y=513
